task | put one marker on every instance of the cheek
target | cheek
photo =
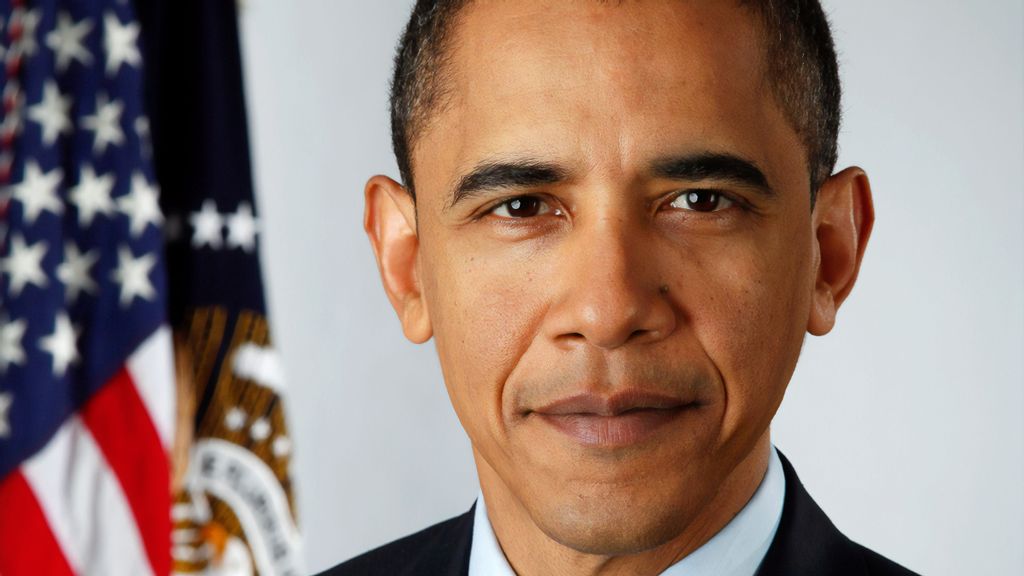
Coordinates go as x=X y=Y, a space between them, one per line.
x=484 y=308
x=750 y=315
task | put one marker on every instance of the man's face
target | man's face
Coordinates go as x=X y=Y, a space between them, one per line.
x=618 y=299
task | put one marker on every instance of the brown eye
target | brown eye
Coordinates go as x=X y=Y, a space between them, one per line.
x=522 y=207
x=701 y=201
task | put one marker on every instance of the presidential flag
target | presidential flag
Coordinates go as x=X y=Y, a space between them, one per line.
x=87 y=395
x=235 y=512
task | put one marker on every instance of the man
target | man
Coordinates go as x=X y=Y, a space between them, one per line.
x=618 y=220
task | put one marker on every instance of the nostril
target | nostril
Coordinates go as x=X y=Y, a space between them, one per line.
x=640 y=334
x=571 y=338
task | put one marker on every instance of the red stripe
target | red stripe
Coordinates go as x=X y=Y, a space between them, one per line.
x=119 y=422
x=29 y=547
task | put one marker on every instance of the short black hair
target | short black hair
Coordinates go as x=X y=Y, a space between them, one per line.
x=801 y=68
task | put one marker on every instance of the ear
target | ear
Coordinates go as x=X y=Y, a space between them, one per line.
x=390 y=223
x=843 y=218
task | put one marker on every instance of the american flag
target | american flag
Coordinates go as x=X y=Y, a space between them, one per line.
x=87 y=393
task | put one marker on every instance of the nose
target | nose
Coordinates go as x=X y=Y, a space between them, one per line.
x=612 y=289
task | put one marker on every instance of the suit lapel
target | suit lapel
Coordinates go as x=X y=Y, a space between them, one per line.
x=458 y=542
x=807 y=543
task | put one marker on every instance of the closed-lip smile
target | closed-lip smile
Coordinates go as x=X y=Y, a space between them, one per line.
x=612 y=421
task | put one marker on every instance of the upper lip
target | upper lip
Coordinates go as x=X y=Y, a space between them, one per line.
x=611 y=404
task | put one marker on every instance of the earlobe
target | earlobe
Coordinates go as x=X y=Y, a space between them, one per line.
x=390 y=223
x=823 y=312
x=843 y=218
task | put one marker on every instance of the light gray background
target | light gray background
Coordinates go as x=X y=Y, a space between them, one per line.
x=905 y=423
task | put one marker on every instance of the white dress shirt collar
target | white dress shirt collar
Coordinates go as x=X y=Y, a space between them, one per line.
x=736 y=550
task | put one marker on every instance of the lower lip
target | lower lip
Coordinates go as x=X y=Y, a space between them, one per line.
x=618 y=431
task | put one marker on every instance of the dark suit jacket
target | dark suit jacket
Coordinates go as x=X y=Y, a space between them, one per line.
x=806 y=544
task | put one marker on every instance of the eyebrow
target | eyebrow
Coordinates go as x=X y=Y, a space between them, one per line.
x=524 y=173
x=498 y=175
x=712 y=166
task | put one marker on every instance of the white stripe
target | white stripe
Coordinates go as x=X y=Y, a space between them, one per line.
x=84 y=505
x=152 y=369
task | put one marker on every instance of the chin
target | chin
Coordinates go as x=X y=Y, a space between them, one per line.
x=617 y=524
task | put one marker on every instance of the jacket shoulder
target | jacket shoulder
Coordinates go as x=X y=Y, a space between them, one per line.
x=878 y=565
x=441 y=550
x=808 y=544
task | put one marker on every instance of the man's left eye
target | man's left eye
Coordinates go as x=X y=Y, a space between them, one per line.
x=702 y=201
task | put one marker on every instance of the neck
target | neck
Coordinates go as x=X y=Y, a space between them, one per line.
x=532 y=552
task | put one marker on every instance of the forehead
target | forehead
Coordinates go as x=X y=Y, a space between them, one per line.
x=605 y=84
x=645 y=34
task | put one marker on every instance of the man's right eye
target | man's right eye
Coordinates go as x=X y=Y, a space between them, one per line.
x=521 y=207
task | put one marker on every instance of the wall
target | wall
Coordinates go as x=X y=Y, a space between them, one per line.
x=904 y=423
